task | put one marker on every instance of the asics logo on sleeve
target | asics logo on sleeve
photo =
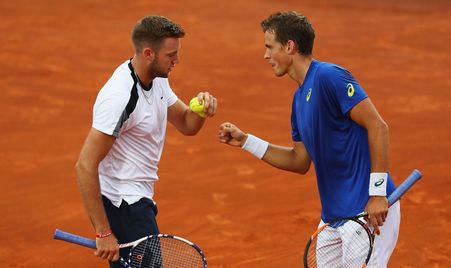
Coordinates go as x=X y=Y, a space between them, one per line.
x=379 y=182
x=309 y=94
x=350 y=90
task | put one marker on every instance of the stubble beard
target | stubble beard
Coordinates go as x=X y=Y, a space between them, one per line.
x=156 y=70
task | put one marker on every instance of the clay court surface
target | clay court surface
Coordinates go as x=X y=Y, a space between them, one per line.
x=56 y=55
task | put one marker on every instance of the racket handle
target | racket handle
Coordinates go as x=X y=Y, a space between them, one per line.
x=83 y=241
x=405 y=185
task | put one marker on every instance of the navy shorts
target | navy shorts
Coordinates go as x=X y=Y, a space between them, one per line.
x=131 y=222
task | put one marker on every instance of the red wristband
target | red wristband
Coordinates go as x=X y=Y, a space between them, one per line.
x=103 y=235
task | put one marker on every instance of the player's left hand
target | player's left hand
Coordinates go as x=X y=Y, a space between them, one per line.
x=210 y=103
x=377 y=208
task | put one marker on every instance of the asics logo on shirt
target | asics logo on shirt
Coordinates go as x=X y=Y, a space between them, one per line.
x=379 y=182
x=309 y=94
x=350 y=90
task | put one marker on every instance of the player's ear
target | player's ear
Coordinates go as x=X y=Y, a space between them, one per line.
x=291 y=47
x=149 y=54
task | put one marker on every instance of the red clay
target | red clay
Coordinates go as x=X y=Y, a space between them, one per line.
x=56 y=55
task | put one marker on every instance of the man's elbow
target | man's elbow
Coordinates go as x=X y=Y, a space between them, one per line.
x=382 y=128
x=303 y=169
x=386 y=128
x=80 y=168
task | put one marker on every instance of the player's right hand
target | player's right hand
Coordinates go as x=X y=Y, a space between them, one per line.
x=107 y=248
x=230 y=134
x=377 y=209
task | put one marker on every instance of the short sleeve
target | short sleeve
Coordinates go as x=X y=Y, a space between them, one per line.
x=341 y=86
x=171 y=97
x=108 y=109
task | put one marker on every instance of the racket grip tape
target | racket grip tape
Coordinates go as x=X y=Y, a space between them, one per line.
x=405 y=186
x=83 y=241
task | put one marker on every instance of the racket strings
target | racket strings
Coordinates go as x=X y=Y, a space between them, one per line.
x=348 y=245
x=146 y=254
x=158 y=252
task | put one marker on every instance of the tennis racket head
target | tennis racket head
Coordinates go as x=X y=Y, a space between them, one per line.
x=341 y=243
x=165 y=250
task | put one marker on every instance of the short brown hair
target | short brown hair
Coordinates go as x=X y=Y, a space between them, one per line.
x=152 y=30
x=291 y=25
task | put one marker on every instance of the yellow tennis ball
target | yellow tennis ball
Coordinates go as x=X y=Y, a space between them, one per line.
x=196 y=107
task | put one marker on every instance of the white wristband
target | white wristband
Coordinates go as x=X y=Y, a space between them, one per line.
x=255 y=146
x=378 y=184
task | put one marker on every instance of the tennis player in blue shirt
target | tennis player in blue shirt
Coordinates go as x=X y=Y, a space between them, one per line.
x=334 y=125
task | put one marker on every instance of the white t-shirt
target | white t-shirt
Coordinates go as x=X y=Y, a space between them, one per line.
x=137 y=118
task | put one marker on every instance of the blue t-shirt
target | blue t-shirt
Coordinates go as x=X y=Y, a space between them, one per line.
x=337 y=145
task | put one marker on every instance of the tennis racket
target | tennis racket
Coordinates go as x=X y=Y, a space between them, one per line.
x=154 y=251
x=359 y=238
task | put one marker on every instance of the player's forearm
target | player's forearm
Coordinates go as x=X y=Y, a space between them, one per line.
x=192 y=123
x=287 y=158
x=378 y=139
x=186 y=122
x=88 y=183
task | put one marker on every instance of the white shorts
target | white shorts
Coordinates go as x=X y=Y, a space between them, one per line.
x=333 y=243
